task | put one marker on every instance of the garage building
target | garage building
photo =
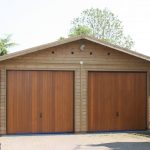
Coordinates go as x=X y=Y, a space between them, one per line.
x=74 y=85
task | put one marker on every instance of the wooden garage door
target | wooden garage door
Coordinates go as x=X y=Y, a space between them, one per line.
x=116 y=101
x=39 y=101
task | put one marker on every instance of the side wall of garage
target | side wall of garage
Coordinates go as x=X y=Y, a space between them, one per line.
x=68 y=57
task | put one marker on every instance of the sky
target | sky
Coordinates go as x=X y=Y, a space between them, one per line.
x=36 y=22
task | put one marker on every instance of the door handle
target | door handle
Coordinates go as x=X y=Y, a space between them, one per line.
x=117 y=114
x=41 y=115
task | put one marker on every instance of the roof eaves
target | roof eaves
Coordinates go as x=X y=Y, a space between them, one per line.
x=121 y=49
x=37 y=48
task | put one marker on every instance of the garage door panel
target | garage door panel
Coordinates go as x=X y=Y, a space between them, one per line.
x=63 y=107
x=117 y=101
x=67 y=103
x=20 y=110
x=133 y=102
x=48 y=103
x=34 y=92
x=100 y=99
x=41 y=102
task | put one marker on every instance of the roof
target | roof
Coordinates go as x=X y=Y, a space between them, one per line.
x=72 y=39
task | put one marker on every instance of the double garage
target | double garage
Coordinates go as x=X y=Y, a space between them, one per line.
x=45 y=100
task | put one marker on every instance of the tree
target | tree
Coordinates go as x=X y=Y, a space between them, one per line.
x=5 y=44
x=80 y=30
x=102 y=24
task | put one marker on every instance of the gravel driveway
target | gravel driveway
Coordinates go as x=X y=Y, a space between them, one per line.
x=115 y=141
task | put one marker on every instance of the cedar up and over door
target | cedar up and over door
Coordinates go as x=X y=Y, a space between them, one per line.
x=39 y=101
x=116 y=101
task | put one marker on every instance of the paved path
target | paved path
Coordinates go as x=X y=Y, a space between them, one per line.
x=116 y=141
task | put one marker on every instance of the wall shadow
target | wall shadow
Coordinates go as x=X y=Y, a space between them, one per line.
x=123 y=145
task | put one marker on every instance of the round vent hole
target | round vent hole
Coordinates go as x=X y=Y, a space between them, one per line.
x=108 y=53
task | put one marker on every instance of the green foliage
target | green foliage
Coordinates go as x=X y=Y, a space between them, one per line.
x=80 y=30
x=102 y=24
x=5 y=44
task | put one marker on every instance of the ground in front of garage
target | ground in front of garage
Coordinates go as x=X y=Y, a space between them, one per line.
x=105 y=141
